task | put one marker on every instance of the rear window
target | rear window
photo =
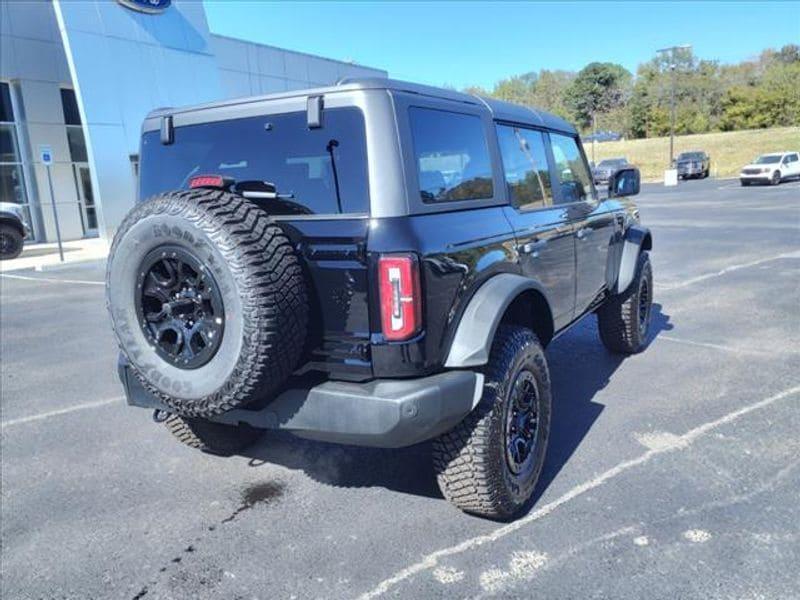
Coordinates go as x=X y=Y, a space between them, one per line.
x=451 y=154
x=281 y=149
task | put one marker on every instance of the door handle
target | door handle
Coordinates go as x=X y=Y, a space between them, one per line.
x=583 y=233
x=532 y=247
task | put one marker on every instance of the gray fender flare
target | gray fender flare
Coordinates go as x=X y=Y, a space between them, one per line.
x=473 y=339
x=637 y=238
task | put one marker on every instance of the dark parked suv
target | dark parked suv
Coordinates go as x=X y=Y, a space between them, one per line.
x=693 y=164
x=374 y=263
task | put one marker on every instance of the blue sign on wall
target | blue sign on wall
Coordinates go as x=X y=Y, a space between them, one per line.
x=147 y=6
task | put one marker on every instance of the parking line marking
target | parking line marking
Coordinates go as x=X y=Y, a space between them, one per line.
x=725 y=271
x=679 y=442
x=60 y=411
x=52 y=279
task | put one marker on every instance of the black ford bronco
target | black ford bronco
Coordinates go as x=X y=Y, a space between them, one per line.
x=374 y=263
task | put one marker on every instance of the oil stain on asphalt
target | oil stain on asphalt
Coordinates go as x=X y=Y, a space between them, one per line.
x=260 y=493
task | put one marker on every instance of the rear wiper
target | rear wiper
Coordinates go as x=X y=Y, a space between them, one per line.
x=331 y=145
x=260 y=190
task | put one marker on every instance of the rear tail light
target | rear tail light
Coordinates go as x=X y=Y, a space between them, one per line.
x=401 y=298
x=215 y=181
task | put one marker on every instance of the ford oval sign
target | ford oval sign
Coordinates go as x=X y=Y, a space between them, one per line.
x=152 y=7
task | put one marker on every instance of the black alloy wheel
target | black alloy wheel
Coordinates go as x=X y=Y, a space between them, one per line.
x=10 y=242
x=645 y=305
x=179 y=307
x=522 y=422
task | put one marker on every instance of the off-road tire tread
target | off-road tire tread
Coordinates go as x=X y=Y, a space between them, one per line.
x=617 y=319
x=465 y=459
x=13 y=232
x=215 y=438
x=270 y=281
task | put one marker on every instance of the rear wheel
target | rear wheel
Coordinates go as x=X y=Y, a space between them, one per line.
x=10 y=242
x=215 y=438
x=745 y=182
x=624 y=319
x=490 y=462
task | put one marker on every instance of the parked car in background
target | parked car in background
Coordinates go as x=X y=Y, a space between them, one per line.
x=606 y=168
x=771 y=168
x=13 y=229
x=693 y=164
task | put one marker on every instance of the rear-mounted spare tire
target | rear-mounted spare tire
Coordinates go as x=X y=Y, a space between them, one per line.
x=207 y=300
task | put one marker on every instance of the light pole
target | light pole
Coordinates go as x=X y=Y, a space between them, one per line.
x=671 y=50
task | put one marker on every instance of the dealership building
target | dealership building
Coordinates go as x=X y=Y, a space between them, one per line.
x=77 y=77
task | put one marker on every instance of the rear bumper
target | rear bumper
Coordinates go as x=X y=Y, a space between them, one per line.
x=384 y=413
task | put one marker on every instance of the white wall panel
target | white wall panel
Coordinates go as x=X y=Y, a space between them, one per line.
x=271 y=85
x=52 y=135
x=230 y=54
x=8 y=61
x=296 y=66
x=42 y=101
x=5 y=19
x=271 y=62
x=33 y=20
x=234 y=83
x=35 y=59
x=321 y=71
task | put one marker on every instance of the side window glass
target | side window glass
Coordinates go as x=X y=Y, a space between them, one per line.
x=571 y=169
x=451 y=155
x=525 y=167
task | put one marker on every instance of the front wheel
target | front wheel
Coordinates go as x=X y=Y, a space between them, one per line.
x=624 y=319
x=10 y=242
x=489 y=463
x=776 y=178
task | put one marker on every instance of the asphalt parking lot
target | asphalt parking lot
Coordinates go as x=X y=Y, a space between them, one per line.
x=671 y=474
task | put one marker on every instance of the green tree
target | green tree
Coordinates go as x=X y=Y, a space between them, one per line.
x=598 y=88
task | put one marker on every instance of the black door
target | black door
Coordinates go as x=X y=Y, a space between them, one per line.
x=543 y=231
x=593 y=219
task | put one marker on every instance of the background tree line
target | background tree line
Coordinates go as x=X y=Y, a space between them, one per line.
x=756 y=93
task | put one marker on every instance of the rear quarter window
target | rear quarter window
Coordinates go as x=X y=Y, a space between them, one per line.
x=281 y=149
x=451 y=155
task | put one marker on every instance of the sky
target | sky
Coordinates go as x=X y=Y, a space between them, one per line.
x=477 y=43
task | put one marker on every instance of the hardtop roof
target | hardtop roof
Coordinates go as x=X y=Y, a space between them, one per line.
x=500 y=110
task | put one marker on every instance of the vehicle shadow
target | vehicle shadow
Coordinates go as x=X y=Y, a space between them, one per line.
x=580 y=367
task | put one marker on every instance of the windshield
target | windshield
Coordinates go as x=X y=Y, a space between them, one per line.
x=768 y=159
x=304 y=164
x=612 y=162
x=690 y=156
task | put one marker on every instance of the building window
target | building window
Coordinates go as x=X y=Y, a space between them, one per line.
x=72 y=118
x=12 y=183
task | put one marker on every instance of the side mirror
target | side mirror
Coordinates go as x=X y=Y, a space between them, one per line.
x=625 y=182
